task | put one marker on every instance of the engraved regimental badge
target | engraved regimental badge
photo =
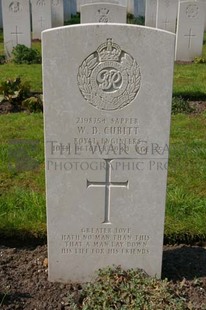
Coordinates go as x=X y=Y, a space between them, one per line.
x=109 y=79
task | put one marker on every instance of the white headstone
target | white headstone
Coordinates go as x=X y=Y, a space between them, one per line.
x=205 y=14
x=57 y=13
x=107 y=119
x=190 y=30
x=103 y=13
x=150 y=13
x=41 y=17
x=1 y=22
x=167 y=14
x=123 y=2
x=16 y=24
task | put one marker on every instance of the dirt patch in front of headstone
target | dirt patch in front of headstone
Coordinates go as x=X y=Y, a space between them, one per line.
x=198 y=106
x=24 y=284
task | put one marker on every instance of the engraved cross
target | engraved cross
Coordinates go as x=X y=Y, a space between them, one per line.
x=16 y=33
x=41 y=21
x=107 y=184
x=190 y=35
x=166 y=23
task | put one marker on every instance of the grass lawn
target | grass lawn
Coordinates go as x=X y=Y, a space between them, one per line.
x=22 y=193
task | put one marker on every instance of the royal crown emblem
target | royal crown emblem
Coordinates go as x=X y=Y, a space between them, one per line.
x=104 y=15
x=109 y=79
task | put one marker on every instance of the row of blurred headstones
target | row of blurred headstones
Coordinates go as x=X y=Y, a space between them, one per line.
x=185 y=18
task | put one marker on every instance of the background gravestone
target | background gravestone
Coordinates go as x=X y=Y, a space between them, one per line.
x=150 y=13
x=132 y=7
x=70 y=7
x=103 y=13
x=57 y=13
x=141 y=7
x=82 y=2
x=41 y=17
x=106 y=135
x=136 y=7
x=190 y=30
x=167 y=14
x=16 y=24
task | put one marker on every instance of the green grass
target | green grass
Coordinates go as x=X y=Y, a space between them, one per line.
x=31 y=73
x=186 y=193
x=22 y=193
x=190 y=81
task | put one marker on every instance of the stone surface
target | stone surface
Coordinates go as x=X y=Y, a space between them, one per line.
x=107 y=106
x=41 y=17
x=16 y=24
x=132 y=7
x=141 y=7
x=57 y=13
x=167 y=14
x=103 y=13
x=82 y=2
x=123 y=2
x=190 y=30
x=150 y=13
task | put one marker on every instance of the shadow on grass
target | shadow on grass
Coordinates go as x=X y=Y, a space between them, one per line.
x=20 y=239
x=184 y=262
x=195 y=96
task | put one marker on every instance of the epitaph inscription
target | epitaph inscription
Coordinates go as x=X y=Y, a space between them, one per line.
x=108 y=240
x=109 y=79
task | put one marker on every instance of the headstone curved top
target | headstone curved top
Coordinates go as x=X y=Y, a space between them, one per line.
x=107 y=105
x=82 y=2
x=103 y=13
